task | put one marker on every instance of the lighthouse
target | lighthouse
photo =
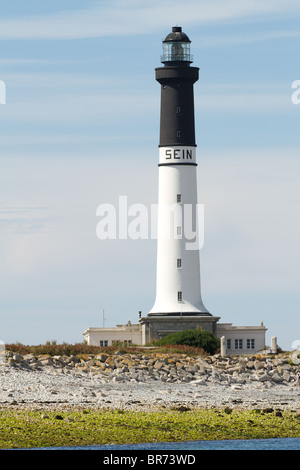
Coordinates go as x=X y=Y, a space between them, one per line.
x=178 y=303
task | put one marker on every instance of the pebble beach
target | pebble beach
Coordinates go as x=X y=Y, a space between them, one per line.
x=148 y=382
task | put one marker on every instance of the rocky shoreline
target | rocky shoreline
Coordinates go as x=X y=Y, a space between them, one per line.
x=149 y=381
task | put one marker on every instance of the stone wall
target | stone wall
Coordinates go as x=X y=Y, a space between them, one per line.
x=176 y=368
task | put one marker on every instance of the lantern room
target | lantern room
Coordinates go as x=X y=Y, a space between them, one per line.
x=176 y=48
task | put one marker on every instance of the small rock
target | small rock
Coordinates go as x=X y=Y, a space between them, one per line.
x=181 y=408
x=268 y=410
x=259 y=365
x=264 y=377
x=102 y=357
x=276 y=377
x=198 y=382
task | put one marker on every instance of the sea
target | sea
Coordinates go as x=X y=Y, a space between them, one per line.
x=239 y=444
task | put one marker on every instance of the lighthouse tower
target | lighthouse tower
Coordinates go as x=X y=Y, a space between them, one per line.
x=178 y=304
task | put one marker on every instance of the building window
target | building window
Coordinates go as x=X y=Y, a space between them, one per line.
x=250 y=343
x=178 y=197
x=238 y=344
x=178 y=134
x=103 y=343
x=228 y=343
x=178 y=110
x=179 y=263
x=179 y=296
x=178 y=230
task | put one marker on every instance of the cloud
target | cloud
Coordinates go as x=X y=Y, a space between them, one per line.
x=23 y=220
x=218 y=40
x=132 y=17
x=74 y=98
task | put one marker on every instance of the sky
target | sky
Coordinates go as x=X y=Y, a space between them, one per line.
x=79 y=128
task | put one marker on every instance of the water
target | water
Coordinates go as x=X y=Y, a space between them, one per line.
x=251 y=444
x=247 y=444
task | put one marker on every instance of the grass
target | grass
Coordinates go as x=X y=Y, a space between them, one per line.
x=43 y=428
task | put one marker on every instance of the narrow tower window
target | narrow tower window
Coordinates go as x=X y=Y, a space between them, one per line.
x=179 y=263
x=179 y=231
x=178 y=197
x=178 y=110
x=179 y=296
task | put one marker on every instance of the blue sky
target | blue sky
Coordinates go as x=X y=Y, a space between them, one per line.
x=80 y=128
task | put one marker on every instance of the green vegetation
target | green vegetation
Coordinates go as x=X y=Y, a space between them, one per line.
x=195 y=338
x=43 y=428
x=65 y=349
x=53 y=349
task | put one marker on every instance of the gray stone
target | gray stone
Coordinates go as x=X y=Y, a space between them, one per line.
x=276 y=377
x=240 y=380
x=264 y=377
x=259 y=365
x=198 y=382
x=286 y=376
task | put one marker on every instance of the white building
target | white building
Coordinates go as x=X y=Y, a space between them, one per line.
x=238 y=339
x=126 y=334
x=242 y=339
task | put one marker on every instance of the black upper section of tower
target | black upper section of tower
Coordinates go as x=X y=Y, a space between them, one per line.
x=177 y=77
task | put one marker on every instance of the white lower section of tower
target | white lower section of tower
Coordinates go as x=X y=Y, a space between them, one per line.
x=178 y=266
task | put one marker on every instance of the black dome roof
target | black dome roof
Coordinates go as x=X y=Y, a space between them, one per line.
x=177 y=35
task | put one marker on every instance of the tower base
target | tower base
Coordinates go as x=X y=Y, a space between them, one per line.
x=155 y=327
